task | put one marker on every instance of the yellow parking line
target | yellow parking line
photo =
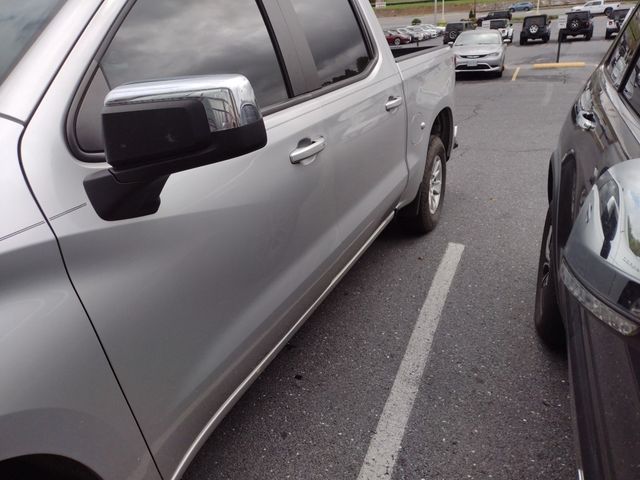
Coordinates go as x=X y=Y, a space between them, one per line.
x=539 y=66
x=515 y=74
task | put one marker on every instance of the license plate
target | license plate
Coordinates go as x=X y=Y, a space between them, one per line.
x=472 y=63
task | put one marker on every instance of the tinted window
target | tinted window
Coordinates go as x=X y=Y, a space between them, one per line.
x=21 y=21
x=335 y=38
x=632 y=88
x=535 y=20
x=624 y=50
x=169 y=38
x=619 y=15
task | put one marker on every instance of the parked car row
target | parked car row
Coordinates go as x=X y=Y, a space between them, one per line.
x=580 y=23
x=538 y=27
x=412 y=33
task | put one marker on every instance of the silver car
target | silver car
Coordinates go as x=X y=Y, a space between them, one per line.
x=416 y=35
x=426 y=31
x=480 y=51
x=181 y=184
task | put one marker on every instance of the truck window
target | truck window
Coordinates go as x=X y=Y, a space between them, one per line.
x=335 y=38
x=632 y=88
x=624 y=50
x=168 y=38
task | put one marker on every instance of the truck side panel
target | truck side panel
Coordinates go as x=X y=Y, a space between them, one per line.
x=429 y=81
x=59 y=395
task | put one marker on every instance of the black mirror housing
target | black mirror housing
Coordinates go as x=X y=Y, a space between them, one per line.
x=142 y=134
x=155 y=129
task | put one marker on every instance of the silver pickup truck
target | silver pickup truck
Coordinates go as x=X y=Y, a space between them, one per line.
x=181 y=185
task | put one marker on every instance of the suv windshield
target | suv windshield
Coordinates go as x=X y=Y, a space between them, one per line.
x=21 y=21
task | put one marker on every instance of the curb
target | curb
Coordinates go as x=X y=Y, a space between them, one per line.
x=541 y=66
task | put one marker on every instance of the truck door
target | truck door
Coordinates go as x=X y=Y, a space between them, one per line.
x=361 y=101
x=189 y=300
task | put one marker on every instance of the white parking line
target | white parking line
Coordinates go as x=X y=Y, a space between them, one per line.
x=386 y=442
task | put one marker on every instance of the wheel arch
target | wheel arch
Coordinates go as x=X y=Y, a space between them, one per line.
x=443 y=127
x=51 y=467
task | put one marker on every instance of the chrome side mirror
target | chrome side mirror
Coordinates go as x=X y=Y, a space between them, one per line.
x=174 y=116
x=157 y=128
x=601 y=265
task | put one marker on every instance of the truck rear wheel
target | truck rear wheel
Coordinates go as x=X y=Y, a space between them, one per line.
x=428 y=203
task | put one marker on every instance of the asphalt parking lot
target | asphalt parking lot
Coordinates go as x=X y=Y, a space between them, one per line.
x=491 y=402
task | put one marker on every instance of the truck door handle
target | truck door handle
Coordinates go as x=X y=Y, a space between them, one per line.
x=393 y=103
x=585 y=120
x=307 y=149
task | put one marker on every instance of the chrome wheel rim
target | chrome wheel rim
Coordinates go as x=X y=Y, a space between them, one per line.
x=435 y=185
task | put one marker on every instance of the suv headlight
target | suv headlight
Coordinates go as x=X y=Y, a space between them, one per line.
x=601 y=266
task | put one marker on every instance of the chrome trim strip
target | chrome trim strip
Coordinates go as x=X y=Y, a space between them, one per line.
x=66 y=212
x=23 y=230
x=242 y=388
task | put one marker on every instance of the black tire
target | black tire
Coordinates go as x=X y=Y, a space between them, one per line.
x=523 y=41
x=422 y=220
x=607 y=36
x=546 y=38
x=607 y=11
x=547 y=318
x=587 y=37
x=527 y=9
x=512 y=10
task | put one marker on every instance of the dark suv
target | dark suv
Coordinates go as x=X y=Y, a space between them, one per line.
x=494 y=16
x=588 y=286
x=535 y=27
x=452 y=30
x=578 y=23
x=615 y=21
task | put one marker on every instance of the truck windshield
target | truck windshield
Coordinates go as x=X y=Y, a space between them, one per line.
x=21 y=21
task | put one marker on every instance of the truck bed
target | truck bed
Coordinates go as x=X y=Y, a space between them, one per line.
x=402 y=53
